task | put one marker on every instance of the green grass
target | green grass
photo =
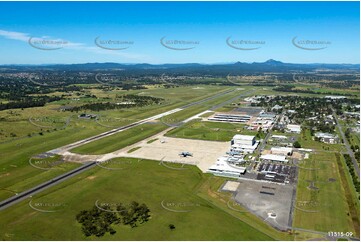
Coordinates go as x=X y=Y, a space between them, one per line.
x=352 y=197
x=306 y=141
x=328 y=203
x=145 y=182
x=120 y=140
x=133 y=149
x=15 y=171
x=216 y=131
x=151 y=141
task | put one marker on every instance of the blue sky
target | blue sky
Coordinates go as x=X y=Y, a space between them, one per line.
x=205 y=25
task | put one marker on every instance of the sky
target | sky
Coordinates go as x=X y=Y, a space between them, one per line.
x=179 y=32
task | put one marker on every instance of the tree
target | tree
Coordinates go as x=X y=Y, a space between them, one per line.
x=171 y=226
x=297 y=144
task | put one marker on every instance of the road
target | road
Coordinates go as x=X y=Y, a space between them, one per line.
x=347 y=145
x=24 y=195
x=269 y=133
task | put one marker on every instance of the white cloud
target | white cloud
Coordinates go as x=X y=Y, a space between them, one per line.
x=25 y=37
x=14 y=35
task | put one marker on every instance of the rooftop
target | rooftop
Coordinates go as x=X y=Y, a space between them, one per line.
x=244 y=137
x=273 y=157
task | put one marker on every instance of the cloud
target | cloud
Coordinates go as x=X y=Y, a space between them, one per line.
x=68 y=45
x=14 y=35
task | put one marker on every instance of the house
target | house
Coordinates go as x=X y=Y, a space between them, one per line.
x=327 y=138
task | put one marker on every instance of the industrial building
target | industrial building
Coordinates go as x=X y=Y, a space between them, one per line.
x=264 y=120
x=335 y=97
x=244 y=143
x=274 y=158
x=285 y=151
x=279 y=137
x=293 y=128
x=222 y=168
x=267 y=116
x=327 y=138
x=231 y=118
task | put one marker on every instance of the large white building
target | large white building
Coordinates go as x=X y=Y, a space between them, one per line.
x=239 y=139
x=293 y=128
x=230 y=118
x=281 y=151
x=222 y=168
x=244 y=143
x=272 y=157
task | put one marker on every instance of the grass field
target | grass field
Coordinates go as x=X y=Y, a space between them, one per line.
x=205 y=130
x=15 y=171
x=120 y=140
x=16 y=174
x=142 y=181
x=323 y=207
x=20 y=123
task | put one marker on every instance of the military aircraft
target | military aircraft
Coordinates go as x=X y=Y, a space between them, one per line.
x=185 y=154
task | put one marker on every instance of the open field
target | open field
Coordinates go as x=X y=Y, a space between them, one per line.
x=321 y=203
x=17 y=123
x=135 y=182
x=15 y=171
x=15 y=155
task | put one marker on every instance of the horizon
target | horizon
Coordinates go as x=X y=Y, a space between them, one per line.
x=200 y=32
x=167 y=63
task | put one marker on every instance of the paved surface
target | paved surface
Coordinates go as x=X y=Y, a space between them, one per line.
x=166 y=149
x=205 y=153
x=347 y=145
x=267 y=199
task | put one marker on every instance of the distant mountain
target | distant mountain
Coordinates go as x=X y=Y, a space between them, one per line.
x=192 y=68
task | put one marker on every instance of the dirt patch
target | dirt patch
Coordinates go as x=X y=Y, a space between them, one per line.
x=296 y=155
x=91 y=177
x=312 y=186
x=4 y=175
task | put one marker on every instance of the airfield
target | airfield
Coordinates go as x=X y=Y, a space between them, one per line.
x=165 y=149
x=128 y=159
